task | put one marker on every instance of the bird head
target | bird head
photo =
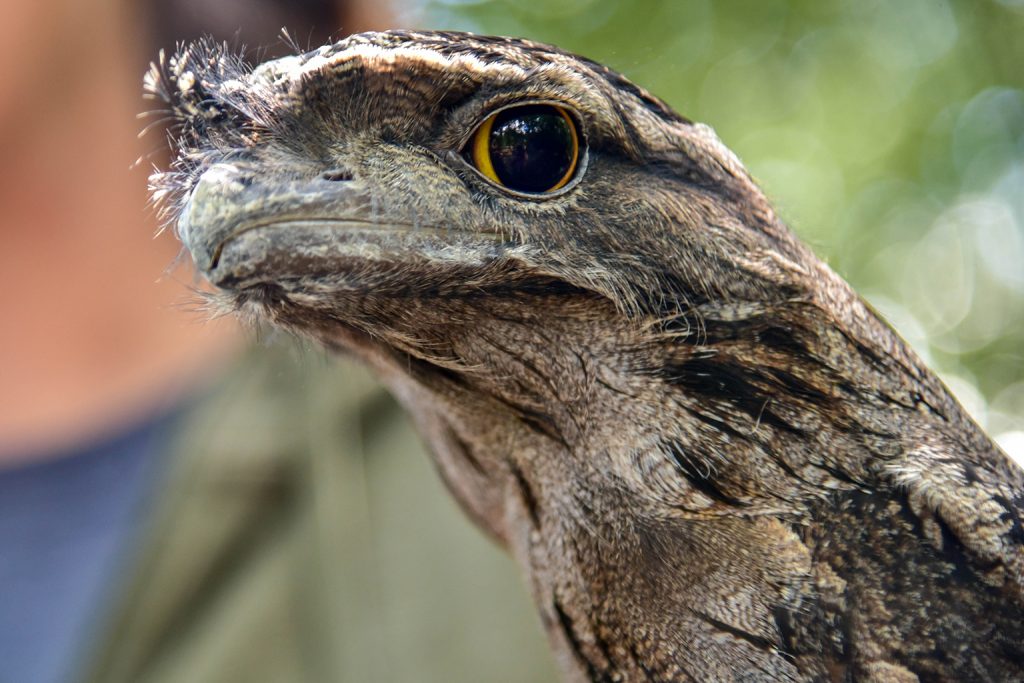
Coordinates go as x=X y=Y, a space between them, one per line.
x=410 y=167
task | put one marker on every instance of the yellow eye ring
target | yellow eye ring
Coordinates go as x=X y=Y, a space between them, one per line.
x=481 y=149
x=530 y=149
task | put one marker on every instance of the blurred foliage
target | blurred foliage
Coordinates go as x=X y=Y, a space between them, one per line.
x=889 y=134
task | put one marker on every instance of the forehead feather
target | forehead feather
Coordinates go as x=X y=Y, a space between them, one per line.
x=417 y=78
x=430 y=67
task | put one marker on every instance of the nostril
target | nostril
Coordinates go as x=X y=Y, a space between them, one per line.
x=336 y=174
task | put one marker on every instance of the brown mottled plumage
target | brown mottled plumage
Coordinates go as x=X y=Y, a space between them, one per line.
x=712 y=459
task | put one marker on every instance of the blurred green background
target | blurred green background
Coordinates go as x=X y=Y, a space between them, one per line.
x=890 y=135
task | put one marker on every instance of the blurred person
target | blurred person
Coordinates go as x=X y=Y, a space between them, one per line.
x=172 y=508
x=96 y=360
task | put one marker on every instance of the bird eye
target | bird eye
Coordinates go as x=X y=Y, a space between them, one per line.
x=532 y=148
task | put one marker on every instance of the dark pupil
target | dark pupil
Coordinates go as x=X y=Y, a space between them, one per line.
x=531 y=147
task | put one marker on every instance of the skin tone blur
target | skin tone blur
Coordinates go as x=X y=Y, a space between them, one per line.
x=100 y=327
x=95 y=332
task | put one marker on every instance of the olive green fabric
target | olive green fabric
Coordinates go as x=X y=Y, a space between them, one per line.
x=302 y=535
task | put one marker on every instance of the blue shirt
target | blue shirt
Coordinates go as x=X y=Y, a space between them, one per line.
x=66 y=526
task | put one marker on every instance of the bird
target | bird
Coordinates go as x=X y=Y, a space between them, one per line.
x=711 y=458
